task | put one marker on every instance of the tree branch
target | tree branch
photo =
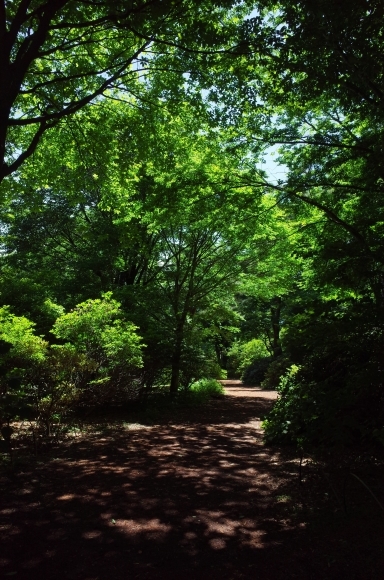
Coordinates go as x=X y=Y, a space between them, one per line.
x=75 y=106
x=8 y=169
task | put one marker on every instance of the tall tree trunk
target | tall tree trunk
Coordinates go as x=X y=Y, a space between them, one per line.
x=275 y=320
x=176 y=358
x=175 y=376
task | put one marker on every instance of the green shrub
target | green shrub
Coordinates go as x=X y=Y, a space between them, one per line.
x=206 y=388
x=23 y=352
x=243 y=356
x=254 y=374
x=54 y=385
x=98 y=363
x=286 y=421
x=276 y=369
x=332 y=399
x=37 y=380
x=335 y=393
x=18 y=331
x=198 y=394
x=96 y=330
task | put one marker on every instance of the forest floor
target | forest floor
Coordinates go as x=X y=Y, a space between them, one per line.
x=191 y=493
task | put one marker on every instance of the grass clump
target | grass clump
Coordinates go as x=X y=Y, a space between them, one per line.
x=205 y=388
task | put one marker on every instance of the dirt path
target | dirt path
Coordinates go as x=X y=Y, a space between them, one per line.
x=196 y=496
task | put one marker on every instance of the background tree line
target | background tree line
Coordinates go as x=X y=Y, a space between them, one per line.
x=148 y=191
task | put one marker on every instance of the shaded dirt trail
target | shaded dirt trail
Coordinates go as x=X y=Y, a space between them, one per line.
x=195 y=495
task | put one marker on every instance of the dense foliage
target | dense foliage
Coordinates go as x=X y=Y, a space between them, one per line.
x=97 y=364
x=149 y=208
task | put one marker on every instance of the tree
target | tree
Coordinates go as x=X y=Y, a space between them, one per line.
x=134 y=200
x=57 y=57
x=317 y=69
x=196 y=263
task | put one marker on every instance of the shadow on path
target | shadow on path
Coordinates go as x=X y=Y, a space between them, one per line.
x=196 y=498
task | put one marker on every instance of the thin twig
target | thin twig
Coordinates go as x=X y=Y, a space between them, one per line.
x=370 y=491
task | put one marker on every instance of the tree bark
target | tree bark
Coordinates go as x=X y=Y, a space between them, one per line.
x=176 y=364
x=175 y=376
x=176 y=356
x=275 y=320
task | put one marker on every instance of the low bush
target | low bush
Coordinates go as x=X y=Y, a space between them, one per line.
x=286 y=421
x=98 y=364
x=248 y=361
x=97 y=331
x=255 y=373
x=276 y=369
x=332 y=399
x=205 y=388
x=334 y=393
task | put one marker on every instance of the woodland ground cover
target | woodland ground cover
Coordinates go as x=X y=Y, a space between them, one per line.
x=189 y=491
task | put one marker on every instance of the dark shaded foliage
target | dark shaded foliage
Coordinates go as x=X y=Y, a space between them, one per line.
x=255 y=373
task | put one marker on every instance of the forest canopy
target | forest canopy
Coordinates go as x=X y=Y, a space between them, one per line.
x=144 y=240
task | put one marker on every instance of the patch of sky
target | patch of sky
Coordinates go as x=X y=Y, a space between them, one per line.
x=275 y=171
x=254 y=14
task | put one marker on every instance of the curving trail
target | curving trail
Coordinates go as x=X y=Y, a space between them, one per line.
x=193 y=496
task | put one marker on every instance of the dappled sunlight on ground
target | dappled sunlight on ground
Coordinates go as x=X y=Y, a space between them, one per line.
x=191 y=497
